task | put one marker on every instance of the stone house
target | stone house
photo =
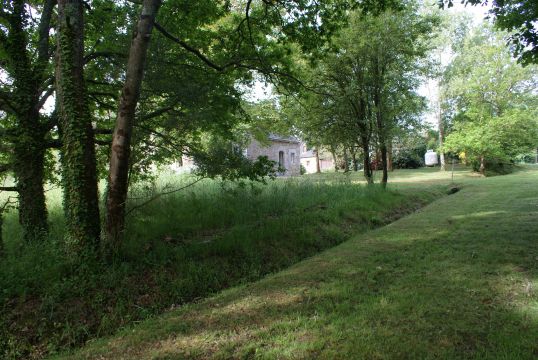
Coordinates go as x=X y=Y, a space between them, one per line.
x=284 y=150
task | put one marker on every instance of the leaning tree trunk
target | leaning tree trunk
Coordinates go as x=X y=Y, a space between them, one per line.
x=79 y=174
x=121 y=140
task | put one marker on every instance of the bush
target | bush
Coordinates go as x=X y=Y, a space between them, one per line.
x=407 y=160
x=494 y=167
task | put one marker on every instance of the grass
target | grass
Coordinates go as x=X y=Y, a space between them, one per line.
x=456 y=280
x=179 y=249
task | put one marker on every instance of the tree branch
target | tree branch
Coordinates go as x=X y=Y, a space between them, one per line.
x=103 y=54
x=9 y=188
x=43 y=53
x=189 y=48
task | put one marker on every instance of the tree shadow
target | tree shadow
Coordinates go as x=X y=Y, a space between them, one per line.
x=463 y=288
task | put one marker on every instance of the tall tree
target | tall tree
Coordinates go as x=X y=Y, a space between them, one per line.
x=24 y=130
x=79 y=172
x=121 y=139
x=486 y=89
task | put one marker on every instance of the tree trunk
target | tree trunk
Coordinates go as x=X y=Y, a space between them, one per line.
x=367 y=170
x=355 y=162
x=385 y=176
x=441 y=135
x=389 y=156
x=29 y=160
x=79 y=174
x=482 y=168
x=318 y=166
x=1 y=238
x=346 y=160
x=335 y=163
x=121 y=140
x=381 y=136
x=29 y=141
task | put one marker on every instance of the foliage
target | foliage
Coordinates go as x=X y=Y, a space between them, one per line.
x=498 y=139
x=407 y=159
x=493 y=104
x=364 y=92
x=225 y=160
x=517 y=16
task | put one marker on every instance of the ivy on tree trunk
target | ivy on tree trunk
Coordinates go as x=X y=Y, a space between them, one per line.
x=28 y=135
x=79 y=174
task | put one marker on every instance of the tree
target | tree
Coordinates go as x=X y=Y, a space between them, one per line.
x=25 y=61
x=519 y=17
x=121 y=139
x=79 y=173
x=492 y=104
x=499 y=138
x=362 y=91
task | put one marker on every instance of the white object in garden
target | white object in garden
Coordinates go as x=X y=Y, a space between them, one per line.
x=430 y=158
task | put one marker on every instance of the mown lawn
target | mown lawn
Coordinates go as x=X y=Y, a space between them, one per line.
x=181 y=248
x=457 y=279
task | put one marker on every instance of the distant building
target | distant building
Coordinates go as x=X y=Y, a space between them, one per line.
x=284 y=150
x=308 y=160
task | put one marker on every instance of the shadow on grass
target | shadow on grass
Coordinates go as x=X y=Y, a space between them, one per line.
x=456 y=283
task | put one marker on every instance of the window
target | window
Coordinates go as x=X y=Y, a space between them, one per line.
x=281 y=159
x=307 y=162
x=292 y=158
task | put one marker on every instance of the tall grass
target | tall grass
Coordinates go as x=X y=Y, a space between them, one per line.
x=177 y=248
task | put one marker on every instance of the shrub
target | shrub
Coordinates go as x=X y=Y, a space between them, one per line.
x=407 y=160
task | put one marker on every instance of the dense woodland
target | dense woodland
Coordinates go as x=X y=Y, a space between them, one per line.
x=96 y=95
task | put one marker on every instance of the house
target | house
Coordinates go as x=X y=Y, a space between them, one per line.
x=284 y=150
x=309 y=159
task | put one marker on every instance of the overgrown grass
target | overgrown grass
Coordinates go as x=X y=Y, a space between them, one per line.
x=179 y=248
x=456 y=280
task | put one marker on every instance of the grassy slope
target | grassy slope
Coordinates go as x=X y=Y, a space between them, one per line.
x=179 y=248
x=457 y=279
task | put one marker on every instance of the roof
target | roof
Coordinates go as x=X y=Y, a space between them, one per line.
x=289 y=139
x=308 y=153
